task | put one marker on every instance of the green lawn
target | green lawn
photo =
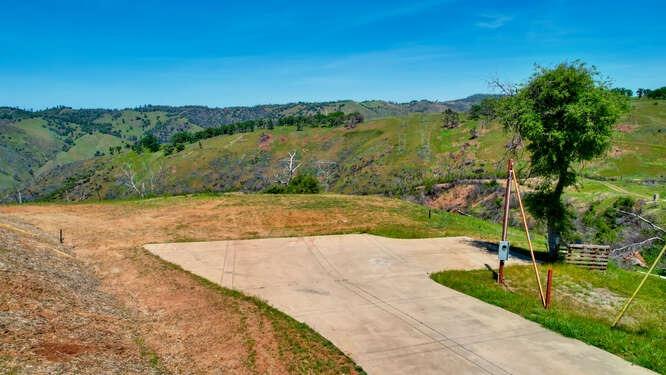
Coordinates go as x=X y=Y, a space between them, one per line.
x=584 y=305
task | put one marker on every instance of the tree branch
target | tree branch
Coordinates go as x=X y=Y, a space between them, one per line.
x=653 y=225
x=620 y=251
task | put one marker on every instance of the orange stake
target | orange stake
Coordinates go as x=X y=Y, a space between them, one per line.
x=529 y=240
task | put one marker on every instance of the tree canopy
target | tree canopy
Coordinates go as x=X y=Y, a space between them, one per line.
x=566 y=114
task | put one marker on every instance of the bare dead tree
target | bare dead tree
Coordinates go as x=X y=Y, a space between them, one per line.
x=505 y=88
x=641 y=218
x=128 y=178
x=633 y=250
x=291 y=164
x=155 y=177
x=623 y=251
x=511 y=117
x=326 y=170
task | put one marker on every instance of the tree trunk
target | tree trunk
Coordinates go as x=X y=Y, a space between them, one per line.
x=553 y=242
x=554 y=234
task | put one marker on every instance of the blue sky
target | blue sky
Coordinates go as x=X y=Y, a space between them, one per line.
x=218 y=53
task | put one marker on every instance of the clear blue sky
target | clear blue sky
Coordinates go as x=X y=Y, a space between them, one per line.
x=122 y=53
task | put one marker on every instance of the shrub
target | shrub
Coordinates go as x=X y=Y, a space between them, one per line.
x=301 y=184
x=168 y=149
x=304 y=184
x=276 y=189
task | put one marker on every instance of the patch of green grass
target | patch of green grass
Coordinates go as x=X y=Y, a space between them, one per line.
x=7 y=368
x=437 y=223
x=584 y=306
x=149 y=355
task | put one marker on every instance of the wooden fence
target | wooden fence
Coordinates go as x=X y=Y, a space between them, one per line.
x=587 y=256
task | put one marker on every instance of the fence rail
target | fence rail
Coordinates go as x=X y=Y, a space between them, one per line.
x=587 y=256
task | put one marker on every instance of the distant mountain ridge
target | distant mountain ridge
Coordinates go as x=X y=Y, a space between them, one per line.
x=215 y=116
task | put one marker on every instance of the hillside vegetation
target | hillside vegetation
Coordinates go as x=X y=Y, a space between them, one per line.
x=386 y=156
x=35 y=142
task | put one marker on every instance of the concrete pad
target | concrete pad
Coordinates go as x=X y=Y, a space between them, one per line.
x=372 y=297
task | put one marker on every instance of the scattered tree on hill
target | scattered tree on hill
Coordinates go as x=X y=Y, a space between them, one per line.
x=623 y=91
x=659 y=93
x=567 y=115
x=450 y=119
x=334 y=119
x=147 y=142
x=484 y=110
x=115 y=149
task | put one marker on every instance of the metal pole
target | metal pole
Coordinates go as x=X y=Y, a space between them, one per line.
x=505 y=221
x=529 y=240
x=626 y=305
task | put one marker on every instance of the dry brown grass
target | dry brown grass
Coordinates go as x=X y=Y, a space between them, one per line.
x=190 y=326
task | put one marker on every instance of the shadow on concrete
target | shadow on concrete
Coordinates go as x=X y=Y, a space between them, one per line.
x=517 y=252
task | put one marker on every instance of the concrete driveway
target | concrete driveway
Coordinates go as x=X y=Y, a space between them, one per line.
x=371 y=296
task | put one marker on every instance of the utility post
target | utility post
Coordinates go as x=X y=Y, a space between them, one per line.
x=503 y=248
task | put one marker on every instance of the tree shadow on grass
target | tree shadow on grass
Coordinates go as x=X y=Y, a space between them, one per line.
x=492 y=271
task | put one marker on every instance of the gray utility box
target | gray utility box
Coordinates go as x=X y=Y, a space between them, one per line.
x=503 y=250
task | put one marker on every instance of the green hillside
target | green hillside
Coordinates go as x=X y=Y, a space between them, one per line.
x=25 y=145
x=387 y=156
x=640 y=143
x=35 y=142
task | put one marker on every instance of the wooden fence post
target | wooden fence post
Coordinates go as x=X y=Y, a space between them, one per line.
x=549 y=287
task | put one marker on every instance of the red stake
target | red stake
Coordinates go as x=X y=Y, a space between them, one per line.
x=549 y=287
x=505 y=222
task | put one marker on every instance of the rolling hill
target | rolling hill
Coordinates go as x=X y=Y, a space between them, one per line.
x=390 y=155
x=33 y=143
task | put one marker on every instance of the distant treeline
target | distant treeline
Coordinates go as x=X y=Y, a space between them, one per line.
x=659 y=93
x=178 y=140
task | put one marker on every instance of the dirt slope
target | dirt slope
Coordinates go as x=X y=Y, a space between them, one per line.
x=53 y=316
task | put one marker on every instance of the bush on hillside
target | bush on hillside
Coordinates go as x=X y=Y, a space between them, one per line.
x=301 y=184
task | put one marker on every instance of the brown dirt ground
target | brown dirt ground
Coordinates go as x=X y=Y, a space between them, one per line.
x=191 y=327
x=457 y=197
x=626 y=128
x=53 y=316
